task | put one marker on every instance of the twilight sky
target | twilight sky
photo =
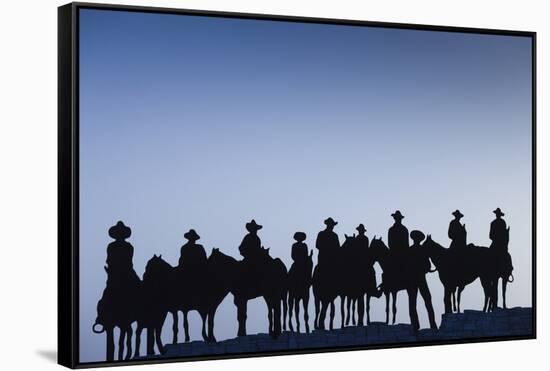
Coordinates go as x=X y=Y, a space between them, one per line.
x=206 y=123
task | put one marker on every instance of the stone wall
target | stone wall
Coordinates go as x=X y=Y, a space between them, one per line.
x=470 y=324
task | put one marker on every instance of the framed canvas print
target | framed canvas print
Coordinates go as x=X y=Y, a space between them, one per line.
x=237 y=185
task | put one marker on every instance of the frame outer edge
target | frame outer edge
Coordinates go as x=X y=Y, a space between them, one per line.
x=66 y=331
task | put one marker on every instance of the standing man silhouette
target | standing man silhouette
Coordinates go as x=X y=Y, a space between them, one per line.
x=398 y=234
x=457 y=231
x=251 y=243
x=499 y=231
x=327 y=242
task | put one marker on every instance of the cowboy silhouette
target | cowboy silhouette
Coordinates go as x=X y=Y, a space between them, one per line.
x=421 y=258
x=191 y=253
x=327 y=241
x=251 y=243
x=499 y=231
x=120 y=254
x=398 y=234
x=361 y=241
x=299 y=248
x=457 y=231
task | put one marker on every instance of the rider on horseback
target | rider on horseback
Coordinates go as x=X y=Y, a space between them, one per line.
x=327 y=242
x=251 y=244
x=398 y=234
x=192 y=254
x=120 y=254
x=299 y=249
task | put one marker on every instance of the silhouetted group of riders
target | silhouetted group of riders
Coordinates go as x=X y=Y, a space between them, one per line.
x=343 y=270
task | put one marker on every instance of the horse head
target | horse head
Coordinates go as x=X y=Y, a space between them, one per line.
x=156 y=267
x=378 y=249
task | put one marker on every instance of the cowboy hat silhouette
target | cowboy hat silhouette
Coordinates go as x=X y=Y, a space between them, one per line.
x=498 y=212
x=457 y=214
x=119 y=231
x=330 y=221
x=252 y=226
x=361 y=228
x=397 y=215
x=191 y=235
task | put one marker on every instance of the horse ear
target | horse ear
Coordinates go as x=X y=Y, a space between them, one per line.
x=160 y=256
x=345 y=235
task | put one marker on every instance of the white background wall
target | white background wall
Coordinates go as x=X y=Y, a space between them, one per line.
x=28 y=163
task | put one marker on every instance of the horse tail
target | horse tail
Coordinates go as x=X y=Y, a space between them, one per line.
x=98 y=331
x=510 y=278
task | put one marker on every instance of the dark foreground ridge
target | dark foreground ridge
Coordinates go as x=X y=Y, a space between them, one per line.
x=454 y=326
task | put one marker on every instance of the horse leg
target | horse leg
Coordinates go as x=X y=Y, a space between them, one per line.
x=158 y=337
x=322 y=315
x=394 y=306
x=241 y=316
x=387 y=294
x=459 y=294
x=349 y=312
x=204 y=334
x=360 y=310
x=427 y=296
x=297 y=309
x=139 y=329
x=368 y=309
x=129 y=332
x=413 y=314
x=109 y=333
x=504 y=284
x=121 y=338
x=269 y=316
x=342 y=309
x=211 y=316
x=332 y=314
x=150 y=341
x=290 y=308
x=277 y=317
x=186 y=326
x=447 y=299
x=305 y=303
x=486 y=299
x=175 y=326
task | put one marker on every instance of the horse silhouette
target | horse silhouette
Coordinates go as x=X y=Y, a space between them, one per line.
x=155 y=300
x=403 y=270
x=326 y=283
x=457 y=268
x=202 y=291
x=299 y=283
x=260 y=276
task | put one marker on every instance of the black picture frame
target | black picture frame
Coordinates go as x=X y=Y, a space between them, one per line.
x=68 y=176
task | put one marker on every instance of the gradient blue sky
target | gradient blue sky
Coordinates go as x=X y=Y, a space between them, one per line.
x=205 y=123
